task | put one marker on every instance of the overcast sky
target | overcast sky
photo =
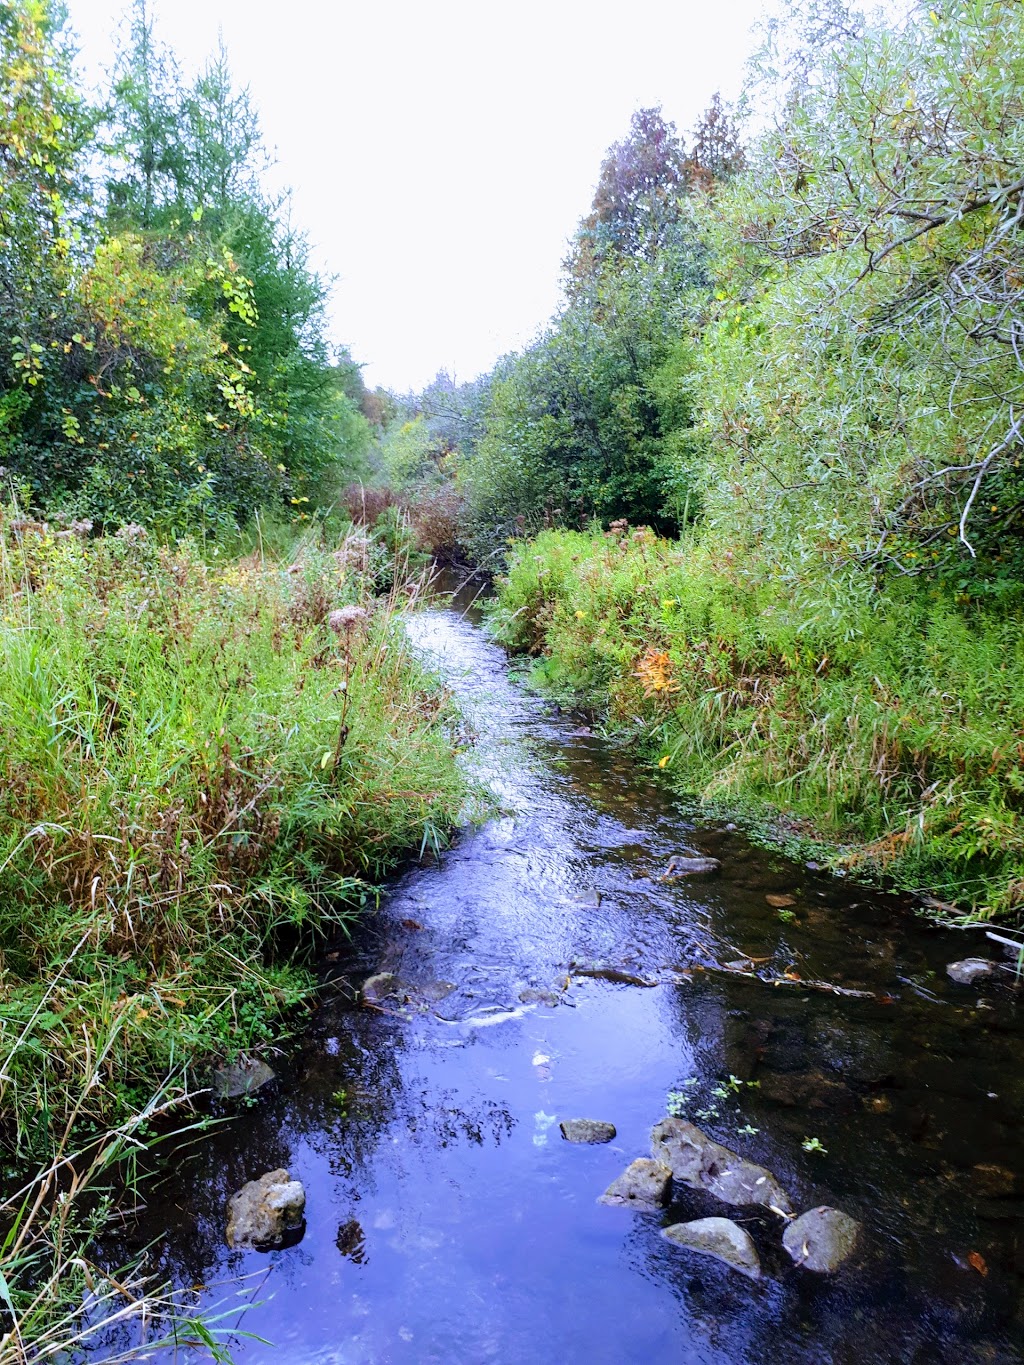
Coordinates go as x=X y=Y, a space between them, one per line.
x=441 y=153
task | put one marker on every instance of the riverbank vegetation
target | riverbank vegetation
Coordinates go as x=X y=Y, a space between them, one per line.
x=203 y=771
x=820 y=409
x=214 y=740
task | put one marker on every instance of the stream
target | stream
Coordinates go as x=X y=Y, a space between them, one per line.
x=446 y=1218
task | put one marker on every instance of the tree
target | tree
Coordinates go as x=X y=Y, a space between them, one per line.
x=637 y=201
x=145 y=124
x=716 y=153
x=863 y=384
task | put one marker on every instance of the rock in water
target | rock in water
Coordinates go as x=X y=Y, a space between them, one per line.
x=721 y=1238
x=680 y=866
x=968 y=971
x=995 y=1182
x=538 y=995
x=821 y=1239
x=264 y=1210
x=703 y=1164
x=587 y=1130
x=643 y=1185
x=379 y=987
x=241 y=1078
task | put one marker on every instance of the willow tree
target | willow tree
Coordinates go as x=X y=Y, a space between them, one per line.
x=863 y=379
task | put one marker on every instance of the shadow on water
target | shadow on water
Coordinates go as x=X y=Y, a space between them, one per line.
x=448 y=1221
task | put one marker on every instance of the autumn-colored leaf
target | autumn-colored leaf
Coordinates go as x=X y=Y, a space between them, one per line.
x=977 y=1262
x=780 y=902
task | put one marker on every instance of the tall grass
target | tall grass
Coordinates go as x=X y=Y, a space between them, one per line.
x=201 y=768
x=890 y=728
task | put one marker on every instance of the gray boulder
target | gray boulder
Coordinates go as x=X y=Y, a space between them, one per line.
x=241 y=1078
x=721 y=1238
x=265 y=1210
x=821 y=1239
x=644 y=1185
x=971 y=969
x=703 y=1164
x=587 y=1130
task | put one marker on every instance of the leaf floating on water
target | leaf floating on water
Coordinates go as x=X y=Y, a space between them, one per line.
x=977 y=1262
x=780 y=902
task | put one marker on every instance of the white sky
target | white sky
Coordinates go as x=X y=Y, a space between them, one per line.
x=442 y=153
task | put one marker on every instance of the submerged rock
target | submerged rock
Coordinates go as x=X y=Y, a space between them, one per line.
x=379 y=987
x=721 y=1238
x=821 y=1239
x=703 y=1164
x=971 y=969
x=538 y=995
x=264 y=1211
x=685 y=866
x=241 y=1078
x=643 y=1185
x=587 y=1130
x=995 y=1182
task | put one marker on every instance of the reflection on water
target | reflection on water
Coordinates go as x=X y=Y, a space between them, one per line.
x=446 y=1219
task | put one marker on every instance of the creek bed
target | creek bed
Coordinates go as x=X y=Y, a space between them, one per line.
x=446 y=1218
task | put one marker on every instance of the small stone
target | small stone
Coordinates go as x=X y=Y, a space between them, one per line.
x=643 y=1185
x=587 y=1130
x=241 y=1078
x=780 y=902
x=591 y=898
x=721 y=1238
x=680 y=866
x=264 y=1210
x=968 y=971
x=821 y=1239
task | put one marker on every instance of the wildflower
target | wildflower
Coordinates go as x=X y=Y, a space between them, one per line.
x=345 y=619
x=669 y=602
x=663 y=761
x=580 y=615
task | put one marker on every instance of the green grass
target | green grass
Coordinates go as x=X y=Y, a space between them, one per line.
x=888 y=730
x=201 y=772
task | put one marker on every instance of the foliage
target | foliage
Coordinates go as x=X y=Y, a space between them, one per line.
x=861 y=378
x=163 y=362
x=585 y=423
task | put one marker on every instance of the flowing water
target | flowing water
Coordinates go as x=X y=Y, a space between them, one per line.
x=446 y=1218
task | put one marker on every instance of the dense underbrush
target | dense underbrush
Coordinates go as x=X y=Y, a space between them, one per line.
x=202 y=769
x=891 y=730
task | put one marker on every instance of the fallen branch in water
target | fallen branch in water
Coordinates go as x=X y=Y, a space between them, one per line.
x=827 y=987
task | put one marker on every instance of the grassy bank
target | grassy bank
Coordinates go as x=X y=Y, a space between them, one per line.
x=890 y=729
x=200 y=769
